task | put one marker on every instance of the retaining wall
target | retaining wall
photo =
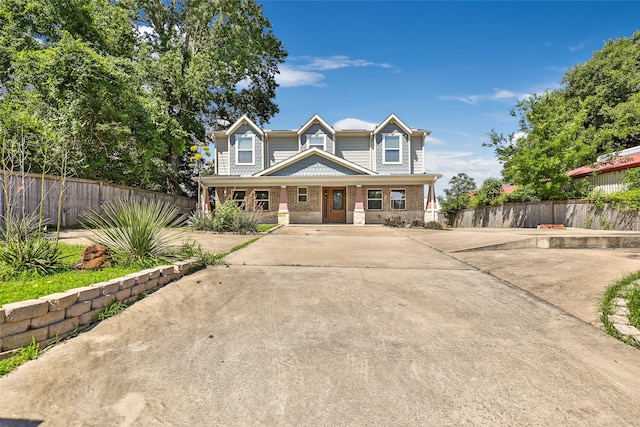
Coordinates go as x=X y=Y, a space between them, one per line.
x=56 y=316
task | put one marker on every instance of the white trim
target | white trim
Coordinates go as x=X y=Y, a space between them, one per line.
x=324 y=141
x=391 y=199
x=312 y=120
x=325 y=180
x=242 y=120
x=309 y=152
x=253 y=149
x=381 y=199
x=384 y=148
x=393 y=118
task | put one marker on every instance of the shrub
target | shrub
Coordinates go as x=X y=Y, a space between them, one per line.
x=433 y=225
x=200 y=221
x=34 y=254
x=225 y=214
x=15 y=228
x=395 y=221
x=417 y=222
x=137 y=232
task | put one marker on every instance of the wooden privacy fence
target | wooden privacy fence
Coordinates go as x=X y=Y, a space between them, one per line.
x=572 y=213
x=79 y=196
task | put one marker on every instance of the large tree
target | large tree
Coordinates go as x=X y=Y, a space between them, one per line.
x=457 y=195
x=595 y=112
x=209 y=61
x=125 y=87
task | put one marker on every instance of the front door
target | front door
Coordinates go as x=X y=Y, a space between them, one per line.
x=334 y=206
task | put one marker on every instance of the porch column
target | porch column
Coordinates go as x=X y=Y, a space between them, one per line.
x=283 y=207
x=431 y=208
x=358 y=211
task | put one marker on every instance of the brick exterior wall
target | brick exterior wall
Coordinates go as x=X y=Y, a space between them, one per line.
x=310 y=211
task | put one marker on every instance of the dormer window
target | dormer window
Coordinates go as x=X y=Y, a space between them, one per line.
x=391 y=149
x=318 y=141
x=245 y=150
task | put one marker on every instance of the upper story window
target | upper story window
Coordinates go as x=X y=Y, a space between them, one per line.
x=245 y=150
x=391 y=149
x=317 y=141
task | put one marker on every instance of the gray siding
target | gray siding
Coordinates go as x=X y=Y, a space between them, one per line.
x=222 y=149
x=281 y=149
x=314 y=130
x=245 y=170
x=354 y=149
x=404 y=149
x=417 y=155
x=314 y=166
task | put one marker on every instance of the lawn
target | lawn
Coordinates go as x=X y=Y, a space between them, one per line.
x=31 y=287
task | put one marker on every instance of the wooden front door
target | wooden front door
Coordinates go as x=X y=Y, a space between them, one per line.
x=334 y=205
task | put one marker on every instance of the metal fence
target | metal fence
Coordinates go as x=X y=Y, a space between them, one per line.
x=26 y=192
x=573 y=213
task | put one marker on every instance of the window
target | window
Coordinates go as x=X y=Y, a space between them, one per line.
x=316 y=141
x=303 y=192
x=398 y=200
x=391 y=149
x=239 y=196
x=244 y=150
x=262 y=200
x=374 y=199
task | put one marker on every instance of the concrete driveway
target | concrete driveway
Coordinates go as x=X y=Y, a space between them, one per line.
x=333 y=326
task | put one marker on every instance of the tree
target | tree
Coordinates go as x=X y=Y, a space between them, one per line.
x=208 y=61
x=457 y=196
x=596 y=112
x=488 y=194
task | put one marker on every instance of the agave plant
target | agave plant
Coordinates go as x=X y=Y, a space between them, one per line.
x=136 y=231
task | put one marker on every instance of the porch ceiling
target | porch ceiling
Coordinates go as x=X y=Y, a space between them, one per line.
x=231 y=181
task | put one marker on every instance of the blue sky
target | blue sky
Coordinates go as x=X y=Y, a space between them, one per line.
x=456 y=68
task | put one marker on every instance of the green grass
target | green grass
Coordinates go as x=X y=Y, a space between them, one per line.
x=627 y=288
x=30 y=352
x=31 y=287
x=265 y=227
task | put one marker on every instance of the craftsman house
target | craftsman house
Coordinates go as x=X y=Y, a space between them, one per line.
x=317 y=174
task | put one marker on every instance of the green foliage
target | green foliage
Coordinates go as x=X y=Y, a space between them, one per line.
x=111 y=310
x=201 y=221
x=30 y=352
x=632 y=179
x=225 y=214
x=395 y=221
x=433 y=225
x=633 y=304
x=136 y=231
x=488 y=194
x=594 y=113
x=417 y=222
x=457 y=196
x=626 y=288
x=36 y=254
x=520 y=195
x=78 y=77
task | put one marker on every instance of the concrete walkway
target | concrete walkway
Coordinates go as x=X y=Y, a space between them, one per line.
x=342 y=326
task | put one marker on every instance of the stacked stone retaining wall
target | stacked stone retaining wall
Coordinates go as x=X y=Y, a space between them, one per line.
x=56 y=316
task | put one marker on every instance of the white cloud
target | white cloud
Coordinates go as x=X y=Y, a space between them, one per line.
x=578 y=47
x=434 y=141
x=351 y=123
x=337 y=62
x=451 y=163
x=309 y=70
x=145 y=30
x=291 y=77
x=498 y=95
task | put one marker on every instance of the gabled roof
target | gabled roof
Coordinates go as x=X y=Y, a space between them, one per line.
x=243 y=120
x=620 y=163
x=318 y=152
x=393 y=119
x=312 y=120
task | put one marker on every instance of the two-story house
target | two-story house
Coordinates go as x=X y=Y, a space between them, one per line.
x=317 y=174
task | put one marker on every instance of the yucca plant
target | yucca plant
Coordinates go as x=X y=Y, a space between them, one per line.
x=139 y=232
x=34 y=254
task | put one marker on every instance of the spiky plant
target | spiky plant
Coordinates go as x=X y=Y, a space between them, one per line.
x=140 y=232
